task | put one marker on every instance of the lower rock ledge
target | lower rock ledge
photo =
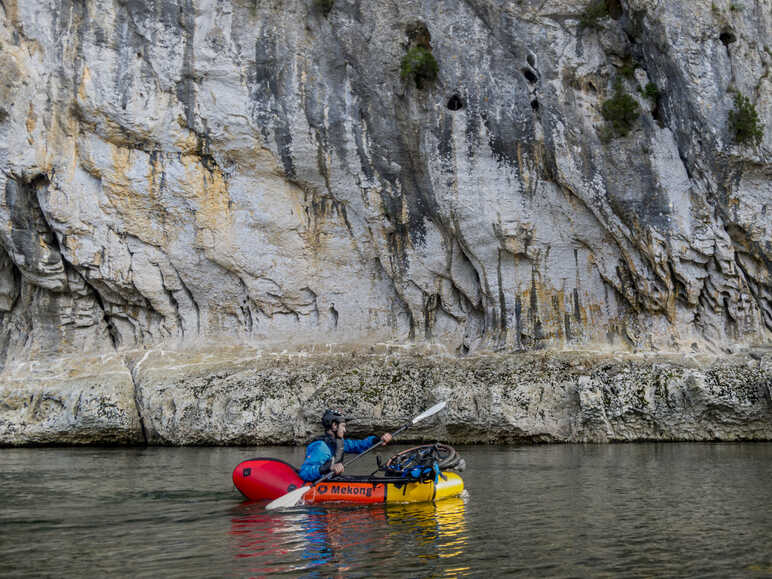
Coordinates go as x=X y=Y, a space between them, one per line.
x=84 y=400
x=242 y=396
x=247 y=396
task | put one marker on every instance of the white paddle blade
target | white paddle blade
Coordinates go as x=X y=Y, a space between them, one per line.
x=291 y=499
x=433 y=410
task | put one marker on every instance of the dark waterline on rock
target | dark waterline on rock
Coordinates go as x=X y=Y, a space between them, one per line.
x=555 y=511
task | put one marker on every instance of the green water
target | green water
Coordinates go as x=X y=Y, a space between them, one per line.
x=643 y=510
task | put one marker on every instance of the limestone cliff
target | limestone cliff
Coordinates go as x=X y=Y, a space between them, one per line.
x=241 y=395
x=183 y=172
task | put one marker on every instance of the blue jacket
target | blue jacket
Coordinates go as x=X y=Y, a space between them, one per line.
x=322 y=450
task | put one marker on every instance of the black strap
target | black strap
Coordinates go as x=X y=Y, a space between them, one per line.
x=338 y=449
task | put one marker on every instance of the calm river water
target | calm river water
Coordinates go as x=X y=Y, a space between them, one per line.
x=637 y=510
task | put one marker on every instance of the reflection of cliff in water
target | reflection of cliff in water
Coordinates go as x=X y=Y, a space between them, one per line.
x=344 y=539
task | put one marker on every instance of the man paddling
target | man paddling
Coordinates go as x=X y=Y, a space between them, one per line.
x=325 y=454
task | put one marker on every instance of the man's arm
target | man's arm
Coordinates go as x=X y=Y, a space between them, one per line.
x=317 y=461
x=358 y=446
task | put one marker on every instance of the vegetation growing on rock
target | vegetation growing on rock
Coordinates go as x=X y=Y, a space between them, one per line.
x=593 y=14
x=620 y=111
x=419 y=64
x=182 y=247
x=324 y=6
x=744 y=121
x=628 y=67
x=651 y=92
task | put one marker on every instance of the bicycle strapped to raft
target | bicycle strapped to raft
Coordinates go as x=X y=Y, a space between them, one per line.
x=423 y=463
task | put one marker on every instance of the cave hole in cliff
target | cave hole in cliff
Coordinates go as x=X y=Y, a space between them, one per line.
x=727 y=37
x=455 y=103
x=530 y=75
x=614 y=8
x=418 y=34
x=535 y=105
x=655 y=114
x=334 y=315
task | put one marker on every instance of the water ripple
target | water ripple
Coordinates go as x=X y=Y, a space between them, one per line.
x=676 y=510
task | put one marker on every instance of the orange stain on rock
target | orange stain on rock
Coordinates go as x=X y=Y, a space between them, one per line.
x=208 y=189
x=32 y=121
x=139 y=212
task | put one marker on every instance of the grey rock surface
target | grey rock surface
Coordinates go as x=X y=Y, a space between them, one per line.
x=244 y=396
x=259 y=175
x=80 y=400
x=188 y=170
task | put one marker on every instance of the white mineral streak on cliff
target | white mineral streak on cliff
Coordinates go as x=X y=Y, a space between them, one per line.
x=181 y=172
x=69 y=401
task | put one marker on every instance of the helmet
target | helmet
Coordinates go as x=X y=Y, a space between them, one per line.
x=331 y=416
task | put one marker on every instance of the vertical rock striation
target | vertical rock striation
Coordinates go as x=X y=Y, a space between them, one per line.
x=183 y=170
x=190 y=171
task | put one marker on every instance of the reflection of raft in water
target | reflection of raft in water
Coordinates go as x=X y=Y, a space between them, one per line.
x=268 y=479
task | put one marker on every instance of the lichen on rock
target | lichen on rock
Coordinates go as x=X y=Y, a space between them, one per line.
x=180 y=172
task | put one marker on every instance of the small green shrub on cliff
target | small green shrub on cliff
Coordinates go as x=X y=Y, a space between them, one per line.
x=596 y=11
x=627 y=70
x=620 y=111
x=628 y=67
x=324 y=6
x=744 y=122
x=651 y=92
x=419 y=64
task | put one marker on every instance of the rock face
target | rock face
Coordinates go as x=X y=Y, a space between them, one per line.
x=69 y=401
x=247 y=396
x=183 y=172
x=261 y=171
